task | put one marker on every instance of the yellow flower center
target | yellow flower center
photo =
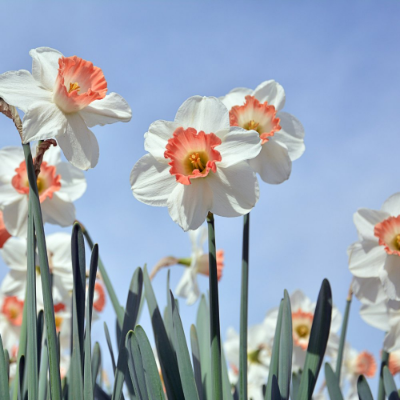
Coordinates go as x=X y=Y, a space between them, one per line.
x=302 y=331
x=397 y=242
x=74 y=86
x=196 y=162
x=254 y=356
x=58 y=321
x=252 y=125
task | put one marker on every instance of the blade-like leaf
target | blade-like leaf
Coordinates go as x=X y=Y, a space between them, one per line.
x=166 y=354
x=4 y=393
x=182 y=352
x=96 y=362
x=318 y=340
x=285 y=349
x=154 y=386
x=332 y=383
x=364 y=392
x=390 y=386
x=44 y=365
x=203 y=333
x=384 y=362
x=296 y=377
x=343 y=332
x=275 y=393
x=274 y=363
x=136 y=366
x=194 y=341
x=108 y=339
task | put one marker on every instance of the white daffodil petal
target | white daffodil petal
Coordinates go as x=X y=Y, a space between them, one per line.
x=206 y=114
x=113 y=108
x=392 y=205
x=188 y=205
x=391 y=280
x=272 y=92
x=79 y=144
x=367 y=265
x=291 y=135
x=10 y=158
x=45 y=65
x=21 y=90
x=188 y=287
x=14 y=253
x=235 y=190
x=273 y=164
x=238 y=145
x=14 y=284
x=156 y=138
x=43 y=120
x=59 y=212
x=368 y=290
x=59 y=245
x=15 y=216
x=236 y=97
x=365 y=221
x=376 y=315
x=8 y=194
x=151 y=182
x=73 y=182
x=52 y=156
x=299 y=300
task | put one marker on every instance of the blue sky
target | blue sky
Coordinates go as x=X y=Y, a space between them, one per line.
x=339 y=64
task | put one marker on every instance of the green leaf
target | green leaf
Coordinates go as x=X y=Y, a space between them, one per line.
x=285 y=349
x=296 y=377
x=21 y=374
x=154 y=386
x=21 y=350
x=40 y=334
x=44 y=366
x=226 y=384
x=274 y=363
x=194 y=341
x=203 y=332
x=317 y=344
x=342 y=342
x=166 y=354
x=332 y=383
x=87 y=379
x=135 y=366
x=107 y=282
x=364 y=392
x=7 y=361
x=390 y=386
x=108 y=339
x=96 y=362
x=182 y=352
x=131 y=313
x=55 y=381
x=384 y=362
x=275 y=393
x=32 y=355
x=4 y=393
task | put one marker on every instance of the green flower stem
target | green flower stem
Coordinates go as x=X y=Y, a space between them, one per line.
x=343 y=332
x=119 y=311
x=215 y=334
x=32 y=359
x=244 y=299
x=54 y=371
x=384 y=363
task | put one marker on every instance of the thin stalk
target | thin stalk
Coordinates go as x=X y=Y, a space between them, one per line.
x=384 y=363
x=54 y=371
x=107 y=282
x=32 y=359
x=215 y=334
x=343 y=334
x=244 y=300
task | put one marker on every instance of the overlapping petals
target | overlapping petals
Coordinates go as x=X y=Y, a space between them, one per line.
x=198 y=164
x=62 y=97
x=59 y=184
x=281 y=133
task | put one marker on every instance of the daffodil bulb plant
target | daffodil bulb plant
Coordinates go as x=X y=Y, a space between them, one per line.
x=208 y=160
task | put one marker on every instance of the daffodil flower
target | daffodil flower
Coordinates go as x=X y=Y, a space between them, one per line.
x=62 y=98
x=198 y=164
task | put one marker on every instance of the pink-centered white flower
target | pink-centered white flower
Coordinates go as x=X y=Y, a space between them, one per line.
x=62 y=98
x=59 y=184
x=303 y=310
x=377 y=253
x=198 y=163
x=11 y=312
x=281 y=133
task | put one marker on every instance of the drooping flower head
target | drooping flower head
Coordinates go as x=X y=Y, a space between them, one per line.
x=197 y=164
x=61 y=99
x=282 y=134
x=59 y=184
x=377 y=253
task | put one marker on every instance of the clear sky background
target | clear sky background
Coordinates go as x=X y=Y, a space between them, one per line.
x=339 y=63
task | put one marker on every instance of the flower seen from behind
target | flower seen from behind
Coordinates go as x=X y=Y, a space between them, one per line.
x=62 y=98
x=198 y=163
x=281 y=133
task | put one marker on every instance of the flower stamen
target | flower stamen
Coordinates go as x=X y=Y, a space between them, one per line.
x=196 y=162
x=74 y=86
